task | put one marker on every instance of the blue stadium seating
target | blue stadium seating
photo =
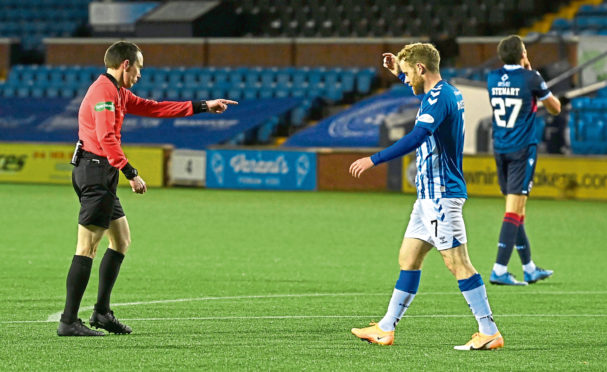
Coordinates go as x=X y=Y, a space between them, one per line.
x=588 y=132
x=312 y=85
x=33 y=20
x=589 y=20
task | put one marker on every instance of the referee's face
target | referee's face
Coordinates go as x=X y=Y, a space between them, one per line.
x=133 y=72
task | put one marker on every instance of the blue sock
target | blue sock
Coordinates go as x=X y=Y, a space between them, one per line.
x=475 y=294
x=508 y=235
x=522 y=245
x=402 y=296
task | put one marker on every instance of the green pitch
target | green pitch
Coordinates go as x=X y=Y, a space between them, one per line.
x=228 y=280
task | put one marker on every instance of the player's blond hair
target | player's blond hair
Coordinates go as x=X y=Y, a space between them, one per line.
x=424 y=53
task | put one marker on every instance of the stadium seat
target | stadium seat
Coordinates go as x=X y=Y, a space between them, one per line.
x=175 y=76
x=8 y=91
x=266 y=92
x=364 y=80
x=204 y=78
x=267 y=76
x=23 y=91
x=283 y=76
x=67 y=92
x=316 y=75
x=235 y=93
x=299 y=76
x=250 y=93
x=334 y=93
x=348 y=80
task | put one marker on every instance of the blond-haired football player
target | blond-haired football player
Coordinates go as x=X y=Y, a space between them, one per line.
x=436 y=219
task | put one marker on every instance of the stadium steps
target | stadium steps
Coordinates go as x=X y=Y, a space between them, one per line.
x=567 y=12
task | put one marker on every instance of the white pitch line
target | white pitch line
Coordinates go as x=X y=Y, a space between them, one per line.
x=287 y=317
x=56 y=316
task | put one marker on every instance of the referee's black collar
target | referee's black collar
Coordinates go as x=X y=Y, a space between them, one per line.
x=112 y=79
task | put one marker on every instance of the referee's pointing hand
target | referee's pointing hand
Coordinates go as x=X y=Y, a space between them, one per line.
x=217 y=106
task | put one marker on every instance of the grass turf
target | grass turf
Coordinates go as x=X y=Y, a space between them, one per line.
x=229 y=280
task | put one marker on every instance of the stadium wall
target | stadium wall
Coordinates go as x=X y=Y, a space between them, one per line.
x=556 y=177
x=353 y=52
x=473 y=50
x=342 y=52
x=333 y=172
x=50 y=163
x=231 y=51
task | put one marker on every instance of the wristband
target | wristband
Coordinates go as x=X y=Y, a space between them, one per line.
x=199 y=106
x=129 y=172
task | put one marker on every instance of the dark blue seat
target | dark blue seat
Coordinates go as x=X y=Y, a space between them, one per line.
x=8 y=91
x=205 y=78
x=23 y=91
x=283 y=76
x=203 y=94
x=333 y=92
x=266 y=91
x=300 y=76
x=175 y=76
x=250 y=93
x=221 y=75
x=267 y=77
x=364 y=80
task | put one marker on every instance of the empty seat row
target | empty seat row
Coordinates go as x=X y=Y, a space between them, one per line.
x=588 y=125
x=384 y=17
x=33 y=20
x=38 y=14
x=258 y=82
x=48 y=4
x=589 y=19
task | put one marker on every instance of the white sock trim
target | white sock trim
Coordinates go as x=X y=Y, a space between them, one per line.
x=500 y=269
x=530 y=267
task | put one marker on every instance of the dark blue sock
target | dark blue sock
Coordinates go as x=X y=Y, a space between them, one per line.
x=522 y=245
x=508 y=236
x=408 y=281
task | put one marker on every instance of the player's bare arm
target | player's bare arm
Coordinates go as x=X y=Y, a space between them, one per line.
x=218 y=106
x=360 y=166
x=391 y=63
x=552 y=105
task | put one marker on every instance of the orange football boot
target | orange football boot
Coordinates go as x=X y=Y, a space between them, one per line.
x=481 y=341
x=374 y=335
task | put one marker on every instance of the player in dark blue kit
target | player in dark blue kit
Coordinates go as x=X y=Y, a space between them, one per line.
x=436 y=219
x=514 y=91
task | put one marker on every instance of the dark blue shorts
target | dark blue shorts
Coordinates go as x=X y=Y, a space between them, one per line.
x=515 y=170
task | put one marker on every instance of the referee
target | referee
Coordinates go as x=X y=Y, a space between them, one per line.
x=97 y=159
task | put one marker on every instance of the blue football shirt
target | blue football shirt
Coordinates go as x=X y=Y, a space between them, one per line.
x=439 y=158
x=513 y=93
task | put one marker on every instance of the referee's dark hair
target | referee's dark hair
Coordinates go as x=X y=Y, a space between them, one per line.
x=510 y=50
x=118 y=52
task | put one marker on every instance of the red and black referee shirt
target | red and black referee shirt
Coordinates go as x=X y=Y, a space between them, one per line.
x=102 y=112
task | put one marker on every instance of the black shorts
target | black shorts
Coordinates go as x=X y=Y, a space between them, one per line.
x=95 y=182
x=515 y=170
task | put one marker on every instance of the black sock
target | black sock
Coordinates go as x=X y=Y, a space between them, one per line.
x=108 y=272
x=522 y=245
x=508 y=236
x=77 y=279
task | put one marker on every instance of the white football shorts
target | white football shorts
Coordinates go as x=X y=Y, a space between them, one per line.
x=439 y=222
